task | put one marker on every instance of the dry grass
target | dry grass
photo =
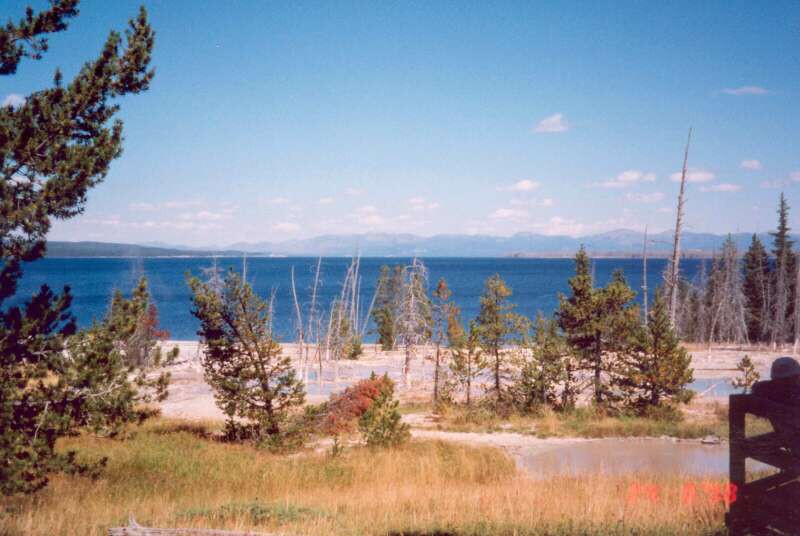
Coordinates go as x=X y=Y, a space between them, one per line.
x=585 y=422
x=171 y=474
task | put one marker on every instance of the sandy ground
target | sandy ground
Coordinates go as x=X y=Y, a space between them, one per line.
x=191 y=398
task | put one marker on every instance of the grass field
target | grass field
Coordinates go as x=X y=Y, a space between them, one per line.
x=172 y=474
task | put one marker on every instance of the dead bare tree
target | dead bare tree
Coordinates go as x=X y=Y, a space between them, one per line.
x=674 y=267
x=345 y=326
x=728 y=321
x=414 y=322
x=299 y=328
x=312 y=321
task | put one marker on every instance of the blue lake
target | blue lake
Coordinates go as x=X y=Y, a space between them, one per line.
x=536 y=283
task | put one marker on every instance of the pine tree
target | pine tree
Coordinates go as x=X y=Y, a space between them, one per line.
x=542 y=366
x=381 y=425
x=756 y=290
x=384 y=312
x=783 y=279
x=455 y=327
x=748 y=375
x=441 y=313
x=498 y=325
x=254 y=384
x=134 y=323
x=468 y=361
x=115 y=368
x=54 y=147
x=598 y=323
x=656 y=368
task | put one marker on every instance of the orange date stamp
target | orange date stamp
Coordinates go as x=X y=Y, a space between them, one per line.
x=691 y=493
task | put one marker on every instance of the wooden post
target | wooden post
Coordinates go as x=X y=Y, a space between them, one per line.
x=736 y=458
x=736 y=416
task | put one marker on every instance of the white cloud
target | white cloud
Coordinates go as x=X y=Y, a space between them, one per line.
x=655 y=197
x=694 y=175
x=13 y=100
x=142 y=207
x=369 y=215
x=524 y=185
x=110 y=220
x=721 y=187
x=627 y=178
x=795 y=176
x=286 y=227
x=325 y=200
x=204 y=215
x=513 y=214
x=182 y=204
x=751 y=164
x=552 y=124
x=355 y=192
x=420 y=203
x=774 y=185
x=746 y=90
x=566 y=226
x=276 y=201
x=545 y=202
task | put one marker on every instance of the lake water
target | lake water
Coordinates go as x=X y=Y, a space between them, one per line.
x=626 y=456
x=536 y=283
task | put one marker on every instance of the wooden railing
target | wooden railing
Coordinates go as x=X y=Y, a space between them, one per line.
x=770 y=505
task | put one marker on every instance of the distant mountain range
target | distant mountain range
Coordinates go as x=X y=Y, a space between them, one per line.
x=106 y=249
x=619 y=243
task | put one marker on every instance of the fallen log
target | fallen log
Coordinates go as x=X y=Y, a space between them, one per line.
x=134 y=529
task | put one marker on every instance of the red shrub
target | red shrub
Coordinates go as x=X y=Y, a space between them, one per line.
x=344 y=409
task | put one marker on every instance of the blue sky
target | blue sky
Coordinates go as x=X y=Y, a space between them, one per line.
x=277 y=120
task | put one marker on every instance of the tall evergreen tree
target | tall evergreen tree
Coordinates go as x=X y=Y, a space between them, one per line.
x=783 y=282
x=54 y=147
x=655 y=369
x=468 y=360
x=254 y=383
x=756 y=287
x=384 y=312
x=455 y=327
x=598 y=323
x=441 y=314
x=497 y=325
x=542 y=366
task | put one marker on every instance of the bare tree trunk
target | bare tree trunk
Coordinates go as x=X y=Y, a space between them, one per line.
x=312 y=314
x=300 y=330
x=676 y=245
